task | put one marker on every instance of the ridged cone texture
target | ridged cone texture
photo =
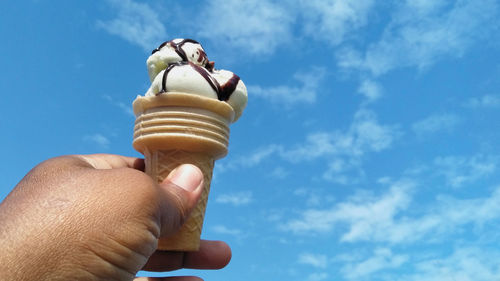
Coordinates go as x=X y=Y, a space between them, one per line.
x=159 y=164
x=177 y=128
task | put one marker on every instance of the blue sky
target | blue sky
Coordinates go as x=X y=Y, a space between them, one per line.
x=368 y=150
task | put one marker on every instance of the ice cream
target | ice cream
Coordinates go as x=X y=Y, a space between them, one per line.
x=184 y=117
x=181 y=65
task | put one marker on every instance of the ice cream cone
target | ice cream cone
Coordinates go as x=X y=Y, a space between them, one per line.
x=177 y=128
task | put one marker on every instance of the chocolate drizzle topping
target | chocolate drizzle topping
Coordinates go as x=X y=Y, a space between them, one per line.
x=209 y=78
x=159 y=47
x=165 y=74
x=223 y=91
x=228 y=88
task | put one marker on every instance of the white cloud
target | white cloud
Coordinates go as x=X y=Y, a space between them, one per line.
x=260 y=31
x=365 y=134
x=491 y=101
x=421 y=34
x=385 y=218
x=135 y=22
x=317 y=276
x=422 y=7
x=221 y=229
x=259 y=155
x=279 y=172
x=464 y=211
x=459 y=170
x=235 y=199
x=464 y=264
x=127 y=109
x=333 y=20
x=343 y=150
x=370 y=133
x=382 y=259
x=370 y=89
x=255 y=158
x=339 y=167
x=313 y=196
x=365 y=219
x=368 y=221
x=316 y=145
x=289 y=95
x=98 y=139
x=436 y=123
x=315 y=260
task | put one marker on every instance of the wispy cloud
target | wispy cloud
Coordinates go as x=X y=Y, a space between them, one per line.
x=342 y=149
x=274 y=23
x=315 y=260
x=135 y=22
x=259 y=32
x=333 y=20
x=306 y=92
x=100 y=140
x=371 y=134
x=235 y=199
x=436 y=123
x=365 y=134
x=460 y=170
x=420 y=34
x=383 y=258
x=313 y=197
x=338 y=169
x=317 y=276
x=384 y=219
x=127 y=109
x=464 y=263
x=486 y=101
x=317 y=145
x=221 y=229
x=370 y=89
x=253 y=159
x=279 y=172
x=259 y=155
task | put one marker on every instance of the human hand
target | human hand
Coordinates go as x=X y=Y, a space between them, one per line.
x=98 y=217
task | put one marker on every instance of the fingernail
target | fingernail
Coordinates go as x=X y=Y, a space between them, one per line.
x=186 y=176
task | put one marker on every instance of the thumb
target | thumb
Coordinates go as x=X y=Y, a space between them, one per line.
x=181 y=189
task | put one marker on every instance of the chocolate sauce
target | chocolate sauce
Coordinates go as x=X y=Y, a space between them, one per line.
x=209 y=78
x=228 y=88
x=165 y=74
x=159 y=47
x=223 y=92
x=180 y=51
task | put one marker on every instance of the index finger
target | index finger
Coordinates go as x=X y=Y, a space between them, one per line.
x=211 y=255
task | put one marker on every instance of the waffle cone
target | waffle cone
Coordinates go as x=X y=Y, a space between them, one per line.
x=177 y=128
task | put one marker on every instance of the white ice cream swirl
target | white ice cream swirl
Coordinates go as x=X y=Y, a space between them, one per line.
x=181 y=65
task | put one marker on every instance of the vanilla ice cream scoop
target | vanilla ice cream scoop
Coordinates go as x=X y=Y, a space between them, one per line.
x=175 y=51
x=181 y=65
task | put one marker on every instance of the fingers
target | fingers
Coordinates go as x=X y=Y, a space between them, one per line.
x=212 y=255
x=173 y=278
x=181 y=191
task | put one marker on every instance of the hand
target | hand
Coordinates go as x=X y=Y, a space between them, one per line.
x=98 y=217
